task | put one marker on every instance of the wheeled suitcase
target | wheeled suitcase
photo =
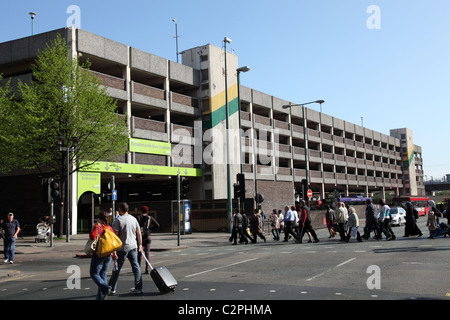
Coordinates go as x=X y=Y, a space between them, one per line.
x=445 y=228
x=162 y=278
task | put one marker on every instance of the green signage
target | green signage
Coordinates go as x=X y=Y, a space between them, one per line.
x=151 y=147
x=88 y=181
x=114 y=167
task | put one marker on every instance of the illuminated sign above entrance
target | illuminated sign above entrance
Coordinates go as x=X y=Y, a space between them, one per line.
x=115 y=167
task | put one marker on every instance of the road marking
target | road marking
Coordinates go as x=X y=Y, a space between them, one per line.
x=331 y=269
x=214 y=269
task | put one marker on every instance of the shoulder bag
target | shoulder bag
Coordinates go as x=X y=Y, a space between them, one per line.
x=107 y=244
x=91 y=245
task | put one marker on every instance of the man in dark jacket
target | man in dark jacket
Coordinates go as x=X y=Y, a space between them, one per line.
x=305 y=222
x=371 y=221
x=238 y=223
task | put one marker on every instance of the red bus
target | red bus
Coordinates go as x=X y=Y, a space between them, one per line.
x=419 y=203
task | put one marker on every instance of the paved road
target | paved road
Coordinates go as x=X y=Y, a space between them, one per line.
x=408 y=268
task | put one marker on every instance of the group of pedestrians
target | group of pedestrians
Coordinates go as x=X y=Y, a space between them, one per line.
x=294 y=222
x=136 y=239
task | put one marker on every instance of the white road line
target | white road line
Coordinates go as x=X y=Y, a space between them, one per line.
x=331 y=269
x=214 y=269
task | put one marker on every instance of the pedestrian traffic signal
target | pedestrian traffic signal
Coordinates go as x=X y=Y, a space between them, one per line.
x=55 y=190
x=184 y=192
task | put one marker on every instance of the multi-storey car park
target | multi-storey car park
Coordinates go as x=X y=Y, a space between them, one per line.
x=177 y=123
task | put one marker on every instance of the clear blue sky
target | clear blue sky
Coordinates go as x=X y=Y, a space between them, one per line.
x=394 y=77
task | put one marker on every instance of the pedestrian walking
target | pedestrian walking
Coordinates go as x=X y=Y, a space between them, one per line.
x=9 y=230
x=263 y=218
x=447 y=212
x=385 y=221
x=128 y=230
x=238 y=222
x=99 y=266
x=305 y=222
x=432 y=223
x=340 y=221
x=147 y=223
x=353 y=225
x=330 y=219
x=296 y=225
x=256 y=226
x=371 y=220
x=245 y=229
x=275 y=224
x=411 y=228
x=281 y=217
x=345 y=213
x=288 y=220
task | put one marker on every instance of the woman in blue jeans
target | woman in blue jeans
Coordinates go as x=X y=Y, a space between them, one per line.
x=99 y=266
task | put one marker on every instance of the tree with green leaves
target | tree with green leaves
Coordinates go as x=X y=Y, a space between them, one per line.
x=64 y=102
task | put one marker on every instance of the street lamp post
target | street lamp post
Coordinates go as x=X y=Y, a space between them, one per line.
x=32 y=15
x=239 y=70
x=229 y=200
x=304 y=134
x=68 y=150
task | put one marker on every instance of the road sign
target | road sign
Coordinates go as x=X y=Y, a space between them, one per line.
x=310 y=194
x=259 y=198
x=114 y=195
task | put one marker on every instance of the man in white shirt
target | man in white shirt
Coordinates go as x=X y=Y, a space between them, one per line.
x=385 y=221
x=289 y=219
x=128 y=230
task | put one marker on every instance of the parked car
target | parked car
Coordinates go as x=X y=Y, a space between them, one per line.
x=397 y=216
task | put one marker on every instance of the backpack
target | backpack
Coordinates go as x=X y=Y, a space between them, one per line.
x=239 y=220
x=145 y=230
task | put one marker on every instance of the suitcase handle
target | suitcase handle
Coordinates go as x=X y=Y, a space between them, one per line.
x=151 y=267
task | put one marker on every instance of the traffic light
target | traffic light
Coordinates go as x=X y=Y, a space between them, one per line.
x=54 y=189
x=239 y=187
x=305 y=188
x=237 y=191
x=184 y=192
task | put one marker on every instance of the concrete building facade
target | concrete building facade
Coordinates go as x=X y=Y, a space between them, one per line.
x=176 y=118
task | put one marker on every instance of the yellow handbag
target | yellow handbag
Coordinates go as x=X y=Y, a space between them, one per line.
x=107 y=244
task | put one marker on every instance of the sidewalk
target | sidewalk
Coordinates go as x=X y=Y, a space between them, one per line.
x=27 y=249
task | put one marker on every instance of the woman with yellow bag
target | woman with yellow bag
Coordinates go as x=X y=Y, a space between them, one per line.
x=99 y=265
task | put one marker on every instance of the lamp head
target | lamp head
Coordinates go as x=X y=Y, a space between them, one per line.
x=244 y=69
x=32 y=14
